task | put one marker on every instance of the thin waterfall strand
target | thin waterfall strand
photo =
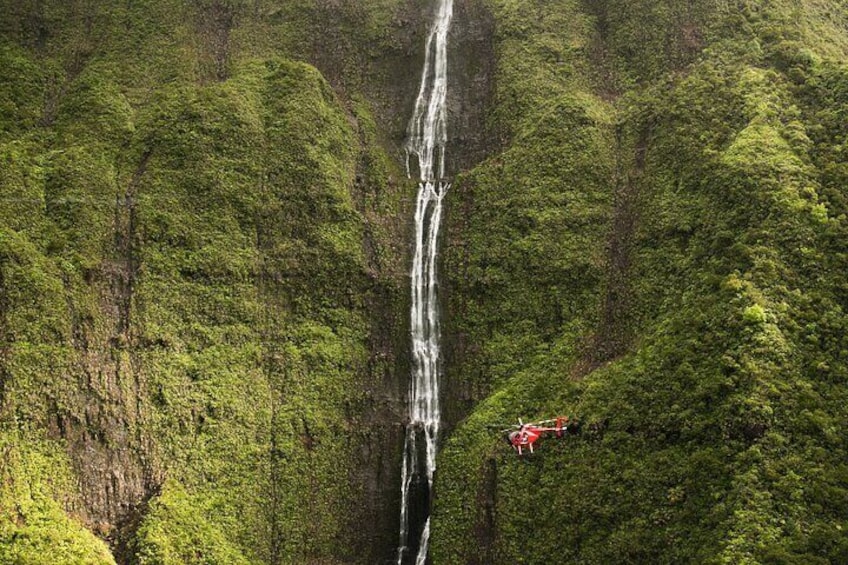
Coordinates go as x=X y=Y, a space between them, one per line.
x=427 y=129
x=426 y=140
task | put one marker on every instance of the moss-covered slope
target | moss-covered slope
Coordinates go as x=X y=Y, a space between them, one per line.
x=202 y=280
x=659 y=251
x=34 y=528
x=203 y=296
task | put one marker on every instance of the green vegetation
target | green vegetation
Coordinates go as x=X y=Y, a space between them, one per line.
x=203 y=292
x=200 y=261
x=175 y=531
x=35 y=480
x=703 y=330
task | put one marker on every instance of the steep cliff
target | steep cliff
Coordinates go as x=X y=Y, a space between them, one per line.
x=657 y=250
x=204 y=227
x=203 y=279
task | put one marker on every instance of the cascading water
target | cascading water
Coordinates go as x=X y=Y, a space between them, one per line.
x=427 y=137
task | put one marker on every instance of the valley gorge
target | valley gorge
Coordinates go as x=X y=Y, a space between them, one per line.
x=207 y=241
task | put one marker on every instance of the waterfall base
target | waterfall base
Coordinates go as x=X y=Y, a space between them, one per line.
x=415 y=523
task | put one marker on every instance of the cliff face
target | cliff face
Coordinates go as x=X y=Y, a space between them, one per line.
x=655 y=251
x=203 y=273
x=204 y=227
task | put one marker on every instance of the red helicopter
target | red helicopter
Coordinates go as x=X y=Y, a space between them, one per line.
x=524 y=436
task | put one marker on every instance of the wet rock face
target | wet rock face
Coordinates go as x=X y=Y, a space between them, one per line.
x=109 y=472
x=388 y=72
x=103 y=421
x=471 y=61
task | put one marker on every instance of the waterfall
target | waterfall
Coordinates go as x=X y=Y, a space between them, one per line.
x=426 y=140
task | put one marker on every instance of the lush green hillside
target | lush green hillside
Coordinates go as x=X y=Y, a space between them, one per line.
x=660 y=250
x=203 y=291
x=202 y=281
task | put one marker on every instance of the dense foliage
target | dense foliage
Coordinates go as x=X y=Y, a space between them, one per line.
x=200 y=269
x=699 y=332
x=33 y=526
x=203 y=248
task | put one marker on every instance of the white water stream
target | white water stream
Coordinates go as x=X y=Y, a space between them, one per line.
x=427 y=137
